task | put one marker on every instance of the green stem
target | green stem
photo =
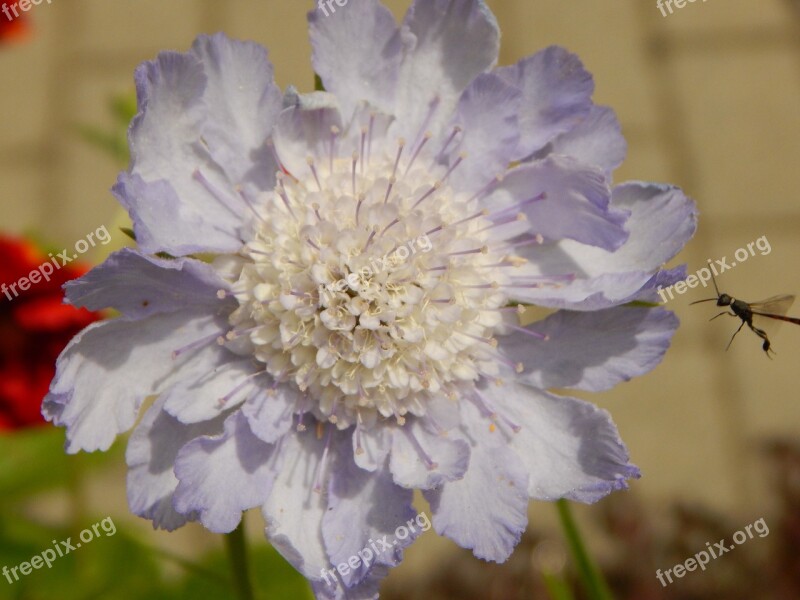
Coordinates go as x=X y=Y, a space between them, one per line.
x=237 y=552
x=590 y=576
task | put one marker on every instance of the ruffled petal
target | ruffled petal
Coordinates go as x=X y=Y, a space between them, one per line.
x=242 y=103
x=365 y=37
x=203 y=122
x=662 y=220
x=139 y=286
x=221 y=476
x=109 y=368
x=597 y=140
x=557 y=95
x=150 y=455
x=594 y=350
x=570 y=448
x=487 y=510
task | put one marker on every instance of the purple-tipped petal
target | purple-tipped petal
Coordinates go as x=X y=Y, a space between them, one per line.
x=222 y=476
x=556 y=96
x=591 y=350
x=139 y=286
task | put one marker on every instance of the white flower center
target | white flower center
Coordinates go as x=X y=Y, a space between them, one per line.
x=371 y=285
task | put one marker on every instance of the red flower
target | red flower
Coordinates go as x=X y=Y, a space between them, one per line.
x=34 y=328
x=13 y=22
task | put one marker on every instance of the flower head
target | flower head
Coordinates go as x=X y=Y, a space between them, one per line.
x=357 y=335
x=34 y=328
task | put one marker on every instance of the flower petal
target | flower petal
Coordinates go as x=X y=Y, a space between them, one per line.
x=270 y=413
x=592 y=350
x=304 y=130
x=662 y=220
x=139 y=286
x=597 y=140
x=577 y=204
x=108 y=369
x=423 y=460
x=223 y=475
x=171 y=211
x=570 y=448
x=365 y=37
x=364 y=508
x=294 y=511
x=557 y=94
x=206 y=391
x=453 y=42
x=242 y=103
x=151 y=453
x=487 y=113
x=487 y=510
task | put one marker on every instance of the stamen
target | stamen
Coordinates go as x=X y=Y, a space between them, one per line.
x=355 y=162
x=195 y=345
x=334 y=134
x=461 y=158
x=392 y=181
x=481 y=250
x=434 y=187
x=226 y=398
x=320 y=470
x=310 y=161
x=426 y=138
x=429 y=463
x=456 y=130
x=250 y=203
x=198 y=176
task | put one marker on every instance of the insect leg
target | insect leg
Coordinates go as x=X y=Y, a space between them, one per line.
x=734 y=335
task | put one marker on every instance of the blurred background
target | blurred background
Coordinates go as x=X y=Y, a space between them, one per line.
x=708 y=98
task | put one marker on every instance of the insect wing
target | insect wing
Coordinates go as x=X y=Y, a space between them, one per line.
x=776 y=305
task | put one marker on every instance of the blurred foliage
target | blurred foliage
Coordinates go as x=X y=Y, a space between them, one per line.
x=113 y=140
x=122 y=566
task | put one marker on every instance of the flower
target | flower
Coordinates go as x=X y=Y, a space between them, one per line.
x=356 y=335
x=34 y=328
x=13 y=23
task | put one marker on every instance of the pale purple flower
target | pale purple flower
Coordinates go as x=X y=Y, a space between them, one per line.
x=356 y=335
